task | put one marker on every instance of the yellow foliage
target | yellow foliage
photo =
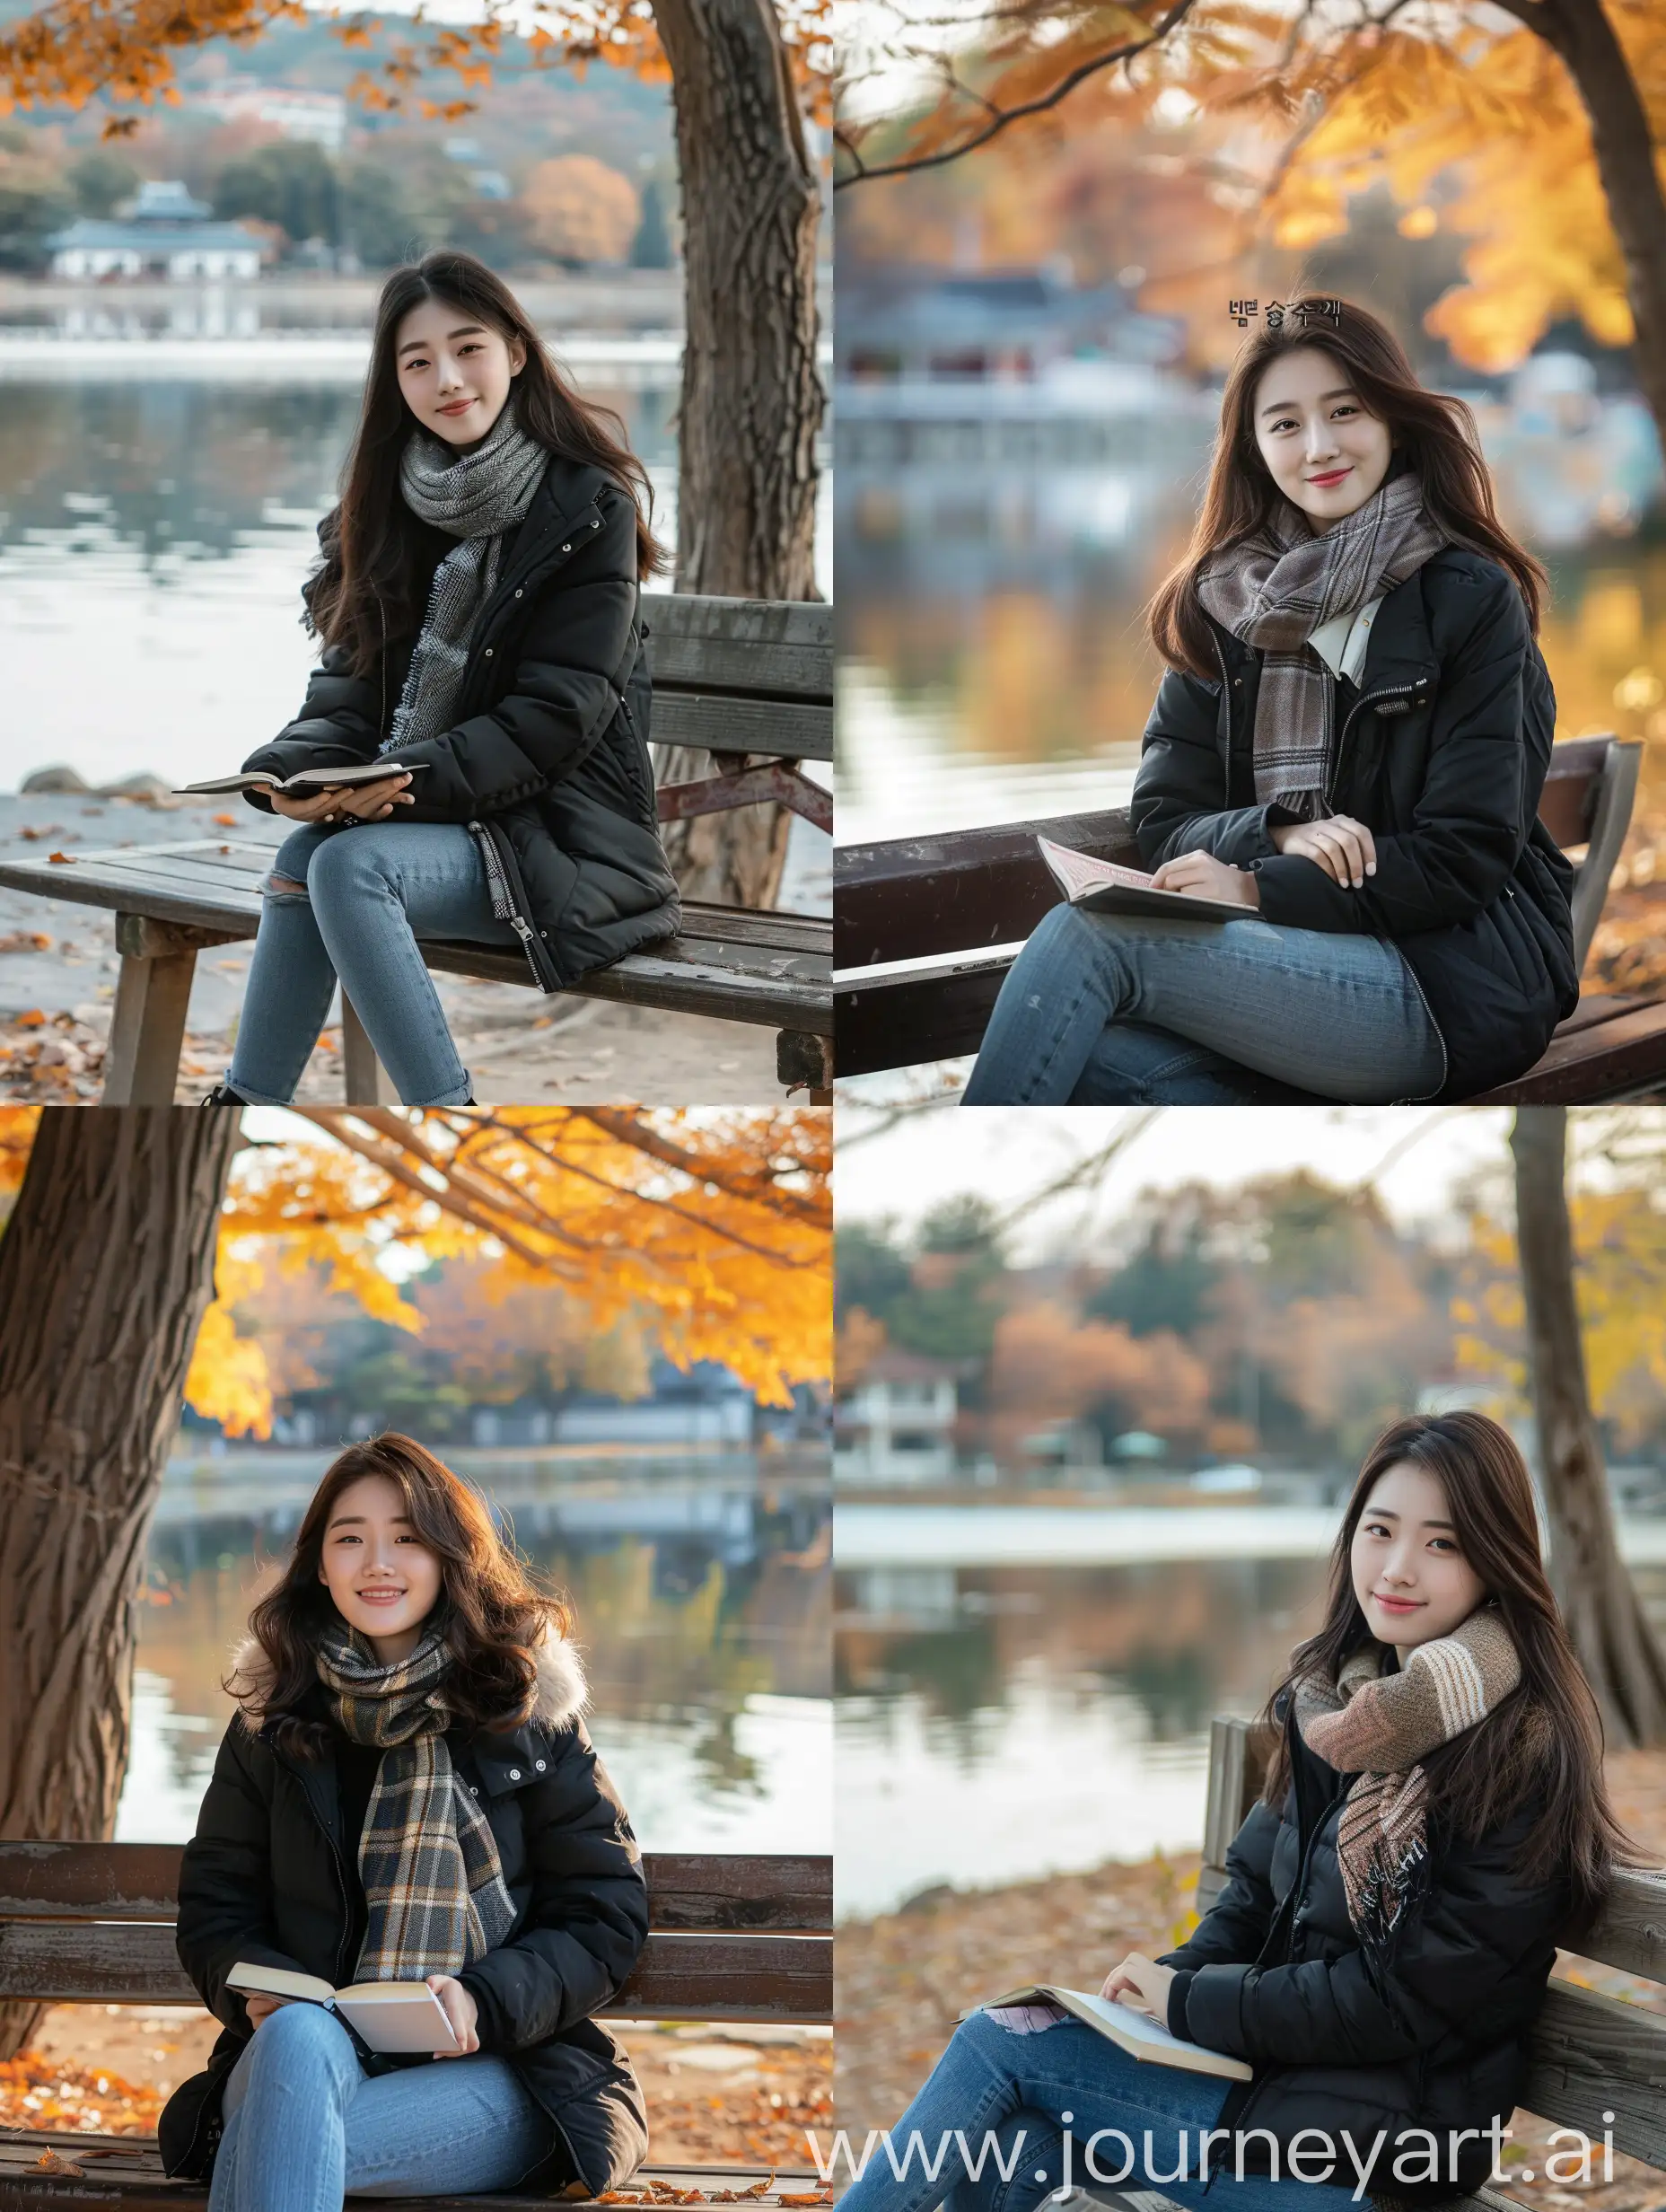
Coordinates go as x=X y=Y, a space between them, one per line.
x=715 y=1228
x=1471 y=121
x=228 y=1381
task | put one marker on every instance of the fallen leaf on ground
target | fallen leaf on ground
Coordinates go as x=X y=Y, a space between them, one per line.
x=64 y=858
x=225 y=821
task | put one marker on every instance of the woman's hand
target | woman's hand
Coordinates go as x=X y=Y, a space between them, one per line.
x=363 y=801
x=460 y=2010
x=1148 y=1980
x=1206 y=877
x=262 y=2008
x=1343 y=848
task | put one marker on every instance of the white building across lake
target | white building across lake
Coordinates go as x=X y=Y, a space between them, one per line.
x=165 y=232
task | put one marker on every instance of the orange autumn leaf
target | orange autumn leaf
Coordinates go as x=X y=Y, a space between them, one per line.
x=66 y=857
x=225 y=821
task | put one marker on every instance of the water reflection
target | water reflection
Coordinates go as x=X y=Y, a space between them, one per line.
x=995 y=1723
x=702 y=1610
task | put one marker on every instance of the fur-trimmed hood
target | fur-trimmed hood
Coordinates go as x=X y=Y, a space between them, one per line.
x=563 y=1691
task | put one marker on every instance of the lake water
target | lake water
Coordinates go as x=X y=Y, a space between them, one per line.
x=998 y=1722
x=701 y=1593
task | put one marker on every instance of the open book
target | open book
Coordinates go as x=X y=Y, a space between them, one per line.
x=1140 y=2035
x=390 y=2015
x=307 y=782
x=1108 y=889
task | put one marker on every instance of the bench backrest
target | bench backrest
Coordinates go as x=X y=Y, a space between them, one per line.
x=1589 y=2054
x=741 y=675
x=732 y=1936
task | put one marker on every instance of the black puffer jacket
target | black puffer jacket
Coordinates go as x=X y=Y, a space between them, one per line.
x=1443 y=759
x=1433 y=2035
x=548 y=762
x=263 y=1879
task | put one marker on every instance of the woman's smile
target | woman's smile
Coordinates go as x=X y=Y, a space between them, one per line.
x=1334 y=476
x=380 y=1597
x=1398 y=1606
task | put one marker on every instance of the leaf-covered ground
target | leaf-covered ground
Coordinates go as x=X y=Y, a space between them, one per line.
x=903 y=1977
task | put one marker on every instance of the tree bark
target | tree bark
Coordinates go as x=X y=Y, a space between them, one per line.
x=105 y=1270
x=1580 y=33
x=1611 y=1633
x=752 y=399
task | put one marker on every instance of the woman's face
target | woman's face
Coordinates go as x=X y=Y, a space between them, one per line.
x=1412 y=1581
x=455 y=373
x=1325 y=452
x=383 y=1576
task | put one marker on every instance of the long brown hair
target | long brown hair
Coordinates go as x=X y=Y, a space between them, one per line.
x=1434 y=434
x=368 y=589
x=492 y=1612
x=1547 y=1734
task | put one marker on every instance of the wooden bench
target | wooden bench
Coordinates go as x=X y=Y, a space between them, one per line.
x=730 y=1938
x=742 y=677
x=926 y=927
x=1589 y=2054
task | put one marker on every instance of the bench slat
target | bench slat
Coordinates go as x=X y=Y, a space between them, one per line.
x=761 y=968
x=779 y=647
x=1624 y=1057
x=967 y=888
x=687 y=1891
x=715 y=1977
x=795 y=730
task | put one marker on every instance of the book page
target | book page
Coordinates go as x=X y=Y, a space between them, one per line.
x=1079 y=873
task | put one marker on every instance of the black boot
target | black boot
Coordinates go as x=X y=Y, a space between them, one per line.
x=223 y=1094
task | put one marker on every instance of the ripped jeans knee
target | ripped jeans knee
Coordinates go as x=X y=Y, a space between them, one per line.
x=284 y=888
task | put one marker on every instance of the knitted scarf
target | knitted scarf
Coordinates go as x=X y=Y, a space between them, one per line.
x=474 y=496
x=1378 y=1727
x=1275 y=588
x=433 y=1879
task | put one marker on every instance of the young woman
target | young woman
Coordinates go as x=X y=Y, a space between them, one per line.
x=1349 y=746
x=408 y=1793
x=477 y=601
x=1433 y=1820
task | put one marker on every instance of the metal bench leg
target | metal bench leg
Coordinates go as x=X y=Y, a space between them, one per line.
x=365 y=1083
x=152 y=993
x=804 y=1062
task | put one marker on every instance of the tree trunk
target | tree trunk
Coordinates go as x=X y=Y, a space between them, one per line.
x=752 y=393
x=105 y=1270
x=1605 y=1618
x=1580 y=33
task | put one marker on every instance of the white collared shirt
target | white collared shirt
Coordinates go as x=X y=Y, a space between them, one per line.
x=1341 y=642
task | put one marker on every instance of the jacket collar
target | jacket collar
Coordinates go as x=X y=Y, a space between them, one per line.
x=561 y=1696
x=1400 y=654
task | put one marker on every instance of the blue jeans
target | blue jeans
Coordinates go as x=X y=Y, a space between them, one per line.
x=1120 y=1009
x=304 y=2123
x=1012 y=2097
x=371 y=890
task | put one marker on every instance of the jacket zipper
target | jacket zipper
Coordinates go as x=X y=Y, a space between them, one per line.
x=1217 y=2157
x=509 y=902
x=1372 y=698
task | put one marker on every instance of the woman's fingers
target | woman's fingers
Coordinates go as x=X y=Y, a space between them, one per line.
x=1367 y=843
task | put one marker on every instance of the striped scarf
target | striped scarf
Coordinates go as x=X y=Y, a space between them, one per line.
x=1275 y=588
x=476 y=497
x=1378 y=1727
x=432 y=1880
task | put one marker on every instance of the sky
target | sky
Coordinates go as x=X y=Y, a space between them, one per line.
x=1418 y=1158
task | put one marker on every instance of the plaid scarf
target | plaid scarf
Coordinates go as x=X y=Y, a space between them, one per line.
x=476 y=496
x=432 y=1880
x=1378 y=1727
x=1275 y=588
